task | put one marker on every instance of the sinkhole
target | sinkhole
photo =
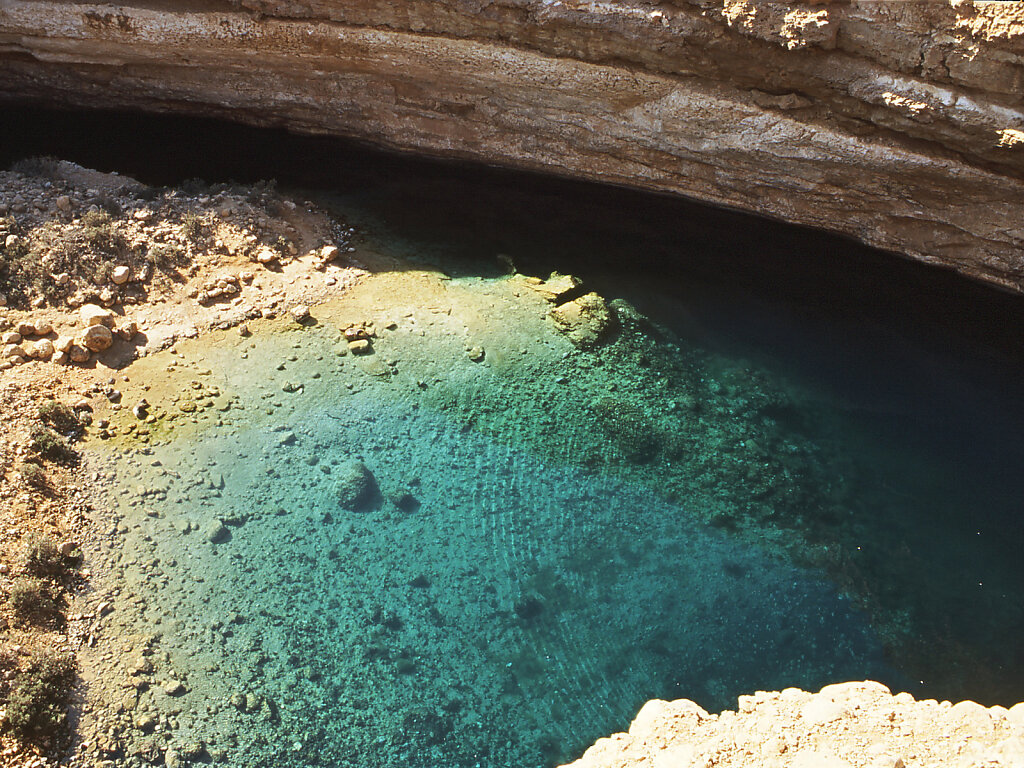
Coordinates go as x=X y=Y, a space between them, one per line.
x=791 y=461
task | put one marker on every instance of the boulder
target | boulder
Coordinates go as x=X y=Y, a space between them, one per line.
x=93 y=314
x=41 y=350
x=356 y=486
x=586 y=321
x=78 y=354
x=97 y=338
x=556 y=288
x=128 y=330
x=216 y=532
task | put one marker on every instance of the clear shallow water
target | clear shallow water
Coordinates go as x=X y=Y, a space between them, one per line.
x=509 y=611
x=823 y=428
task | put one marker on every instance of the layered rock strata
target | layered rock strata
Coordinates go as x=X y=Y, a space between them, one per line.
x=899 y=124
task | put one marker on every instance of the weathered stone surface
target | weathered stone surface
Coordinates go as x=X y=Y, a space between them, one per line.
x=899 y=124
x=93 y=314
x=585 y=321
x=97 y=338
x=847 y=724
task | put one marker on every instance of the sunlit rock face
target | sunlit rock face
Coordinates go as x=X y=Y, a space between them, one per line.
x=899 y=124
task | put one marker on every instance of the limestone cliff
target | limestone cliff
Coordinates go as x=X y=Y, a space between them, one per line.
x=899 y=124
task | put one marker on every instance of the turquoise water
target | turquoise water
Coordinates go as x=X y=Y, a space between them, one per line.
x=509 y=591
x=798 y=463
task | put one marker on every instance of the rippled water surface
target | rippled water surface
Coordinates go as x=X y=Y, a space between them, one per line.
x=796 y=462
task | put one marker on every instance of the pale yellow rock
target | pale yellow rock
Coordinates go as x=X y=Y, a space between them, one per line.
x=97 y=338
x=41 y=350
x=127 y=330
x=586 y=321
x=857 y=725
x=556 y=287
x=93 y=314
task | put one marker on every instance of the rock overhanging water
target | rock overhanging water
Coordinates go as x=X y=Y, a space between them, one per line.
x=897 y=124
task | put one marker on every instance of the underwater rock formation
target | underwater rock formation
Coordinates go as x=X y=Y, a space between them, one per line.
x=898 y=124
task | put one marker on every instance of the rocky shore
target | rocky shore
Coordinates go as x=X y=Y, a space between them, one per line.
x=99 y=270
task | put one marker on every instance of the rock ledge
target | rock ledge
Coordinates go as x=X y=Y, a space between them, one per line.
x=847 y=725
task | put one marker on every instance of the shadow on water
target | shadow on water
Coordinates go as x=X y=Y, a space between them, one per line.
x=906 y=380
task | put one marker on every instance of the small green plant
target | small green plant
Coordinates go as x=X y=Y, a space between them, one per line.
x=32 y=602
x=59 y=416
x=43 y=557
x=33 y=476
x=48 y=445
x=37 y=705
x=165 y=257
x=42 y=167
x=192 y=224
x=97 y=226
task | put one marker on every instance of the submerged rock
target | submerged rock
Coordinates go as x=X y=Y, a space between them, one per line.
x=556 y=288
x=216 y=532
x=356 y=485
x=586 y=321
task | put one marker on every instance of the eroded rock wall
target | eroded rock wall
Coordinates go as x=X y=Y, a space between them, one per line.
x=899 y=124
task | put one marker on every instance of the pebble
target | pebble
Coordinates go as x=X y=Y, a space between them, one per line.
x=120 y=275
x=300 y=312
